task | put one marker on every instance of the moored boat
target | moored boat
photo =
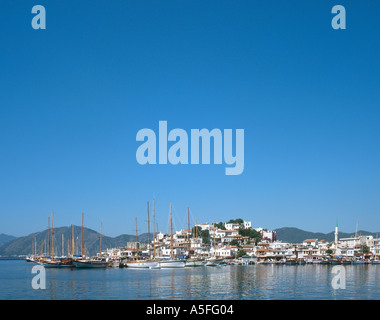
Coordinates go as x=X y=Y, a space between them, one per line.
x=194 y=262
x=142 y=264
x=171 y=263
x=301 y=262
x=90 y=263
x=57 y=263
x=335 y=261
x=291 y=261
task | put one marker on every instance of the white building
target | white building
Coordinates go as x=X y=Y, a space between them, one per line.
x=247 y=225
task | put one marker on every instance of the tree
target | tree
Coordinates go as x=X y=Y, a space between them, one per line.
x=237 y=221
x=329 y=251
x=251 y=233
x=235 y=243
x=220 y=226
x=205 y=234
x=364 y=249
x=240 y=253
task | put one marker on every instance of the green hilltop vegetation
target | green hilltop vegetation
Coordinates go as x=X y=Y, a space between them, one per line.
x=254 y=236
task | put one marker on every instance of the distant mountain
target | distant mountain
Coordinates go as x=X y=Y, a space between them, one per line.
x=295 y=235
x=23 y=245
x=4 y=238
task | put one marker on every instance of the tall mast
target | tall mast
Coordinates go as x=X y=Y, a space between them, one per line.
x=357 y=229
x=62 y=251
x=213 y=241
x=188 y=233
x=101 y=234
x=171 y=233
x=49 y=236
x=137 y=239
x=52 y=236
x=154 y=236
x=82 y=244
x=196 y=234
x=149 y=244
x=72 y=241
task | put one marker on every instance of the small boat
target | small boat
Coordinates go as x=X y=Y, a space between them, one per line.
x=301 y=262
x=31 y=259
x=213 y=262
x=375 y=261
x=115 y=263
x=346 y=261
x=290 y=262
x=335 y=261
x=358 y=262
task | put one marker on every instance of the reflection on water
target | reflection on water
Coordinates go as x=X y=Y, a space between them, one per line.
x=217 y=283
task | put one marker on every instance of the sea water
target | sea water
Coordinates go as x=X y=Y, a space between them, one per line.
x=270 y=282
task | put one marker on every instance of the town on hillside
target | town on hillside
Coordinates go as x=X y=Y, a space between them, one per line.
x=236 y=240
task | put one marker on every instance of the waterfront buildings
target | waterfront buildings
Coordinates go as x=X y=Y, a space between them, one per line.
x=228 y=242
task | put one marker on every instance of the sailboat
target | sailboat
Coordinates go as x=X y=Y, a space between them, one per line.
x=192 y=261
x=171 y=263
x=140 y=263
x=213 y=261
x=84 y=262
x=52 y=262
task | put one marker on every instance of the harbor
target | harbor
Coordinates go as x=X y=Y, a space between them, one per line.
x=234 y=242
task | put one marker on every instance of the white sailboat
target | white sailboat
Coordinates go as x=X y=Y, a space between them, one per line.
x=213 y=261
x=171 y=263
x=192 y=261
x=140 y=263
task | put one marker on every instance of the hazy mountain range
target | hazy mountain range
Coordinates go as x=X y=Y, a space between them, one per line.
x=12 y=246
x=91 y=239
x=295 y=235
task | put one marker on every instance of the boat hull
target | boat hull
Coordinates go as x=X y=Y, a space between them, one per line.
x=56 y=265
x=90 y=264
x=142 y=265
x=172 y=264
x=195 y=263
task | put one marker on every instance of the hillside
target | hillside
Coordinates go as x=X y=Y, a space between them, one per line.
x=23 y=245
x=4 y=238
x=295 y=235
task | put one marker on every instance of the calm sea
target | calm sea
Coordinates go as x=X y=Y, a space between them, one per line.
x=275 y=282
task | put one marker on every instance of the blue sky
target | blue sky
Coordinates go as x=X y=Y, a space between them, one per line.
x=73 y=97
